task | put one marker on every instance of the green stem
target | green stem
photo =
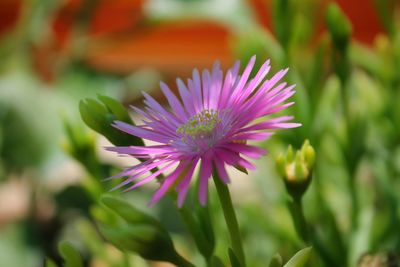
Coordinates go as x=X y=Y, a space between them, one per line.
x=193 y=227
x=354 y=201
x=296 y=208
x=230 y=218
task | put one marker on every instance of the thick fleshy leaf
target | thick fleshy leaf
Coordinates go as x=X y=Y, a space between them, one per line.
x=128 y=212
x=233 y=258
x=300 y=258
x=50 y=263
x=70 y=255
x=216 y=262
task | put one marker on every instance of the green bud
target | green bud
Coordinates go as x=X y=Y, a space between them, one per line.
x=289 y=154
x=296 y=170
x=339 y=26
x=281 y=165
x=100 y=115
x=309 y=156
x=300 y=170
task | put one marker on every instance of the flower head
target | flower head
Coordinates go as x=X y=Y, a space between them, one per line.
x=209 y=125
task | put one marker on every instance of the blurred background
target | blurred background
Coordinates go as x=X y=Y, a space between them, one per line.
x=56 y=53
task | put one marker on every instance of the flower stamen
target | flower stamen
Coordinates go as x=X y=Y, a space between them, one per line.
x=200 y=124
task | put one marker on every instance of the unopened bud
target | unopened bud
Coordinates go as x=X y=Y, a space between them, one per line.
x=100 y=115
x=297 y=170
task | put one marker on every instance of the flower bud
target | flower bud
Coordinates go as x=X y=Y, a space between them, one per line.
x=297 y=170
x=99 y=116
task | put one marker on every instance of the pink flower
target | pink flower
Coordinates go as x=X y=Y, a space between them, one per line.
x=209 y=125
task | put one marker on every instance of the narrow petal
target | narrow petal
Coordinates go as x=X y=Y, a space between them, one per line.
x=205 y=174
x=196 y=90
x=137 y=174
x=139 y=150
x=186 y=98
x=154 y=105
x=150 y=177
x=206 y=78
x=140 y=132
x=223 y=175
x=183 y=187
x=168 y=182
x=245 y=75
x=247 y=150
x=251 y=136
x=273 y=124
x=128 y=171
x=173 y=102
x=253 y=84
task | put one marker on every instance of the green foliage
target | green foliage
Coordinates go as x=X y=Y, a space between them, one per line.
x=339 y=26
x=276 y=261
x=233 y=258
x=139 y=233
x=300 y=258
x=216 y=262
x=50 y=263
x=71 y=256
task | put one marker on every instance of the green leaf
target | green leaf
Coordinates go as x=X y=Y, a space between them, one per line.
x=148 y=241
x=206 y=227
x=216 y=262
x=276 y=261
x=50 y=263
x=128 y=238
x=70 y=255
x=339 y=26
x=300 y=258
x=233 y=258
x=282 y=17
x=128 y=212
x=137 y=232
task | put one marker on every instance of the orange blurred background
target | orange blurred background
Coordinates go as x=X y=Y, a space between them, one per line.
x=116 y=38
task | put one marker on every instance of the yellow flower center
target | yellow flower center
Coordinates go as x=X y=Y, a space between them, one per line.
x=200 y=124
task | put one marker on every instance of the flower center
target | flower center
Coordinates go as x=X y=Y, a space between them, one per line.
x=200 y=124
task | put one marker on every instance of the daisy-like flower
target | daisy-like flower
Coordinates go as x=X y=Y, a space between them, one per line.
x=208 y=126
